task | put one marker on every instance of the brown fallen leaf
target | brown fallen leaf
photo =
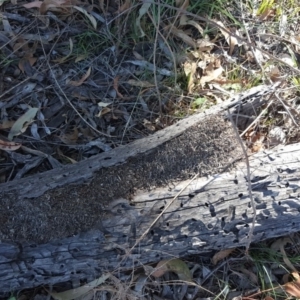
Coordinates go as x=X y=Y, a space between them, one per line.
x=293 y=287
x=69 y=138
x=211 y=75
x=221 y=255
x=103 y=111
x=9 y=146
x=83 y=78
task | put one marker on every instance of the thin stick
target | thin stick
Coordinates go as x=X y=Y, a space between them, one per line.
x=248 y=181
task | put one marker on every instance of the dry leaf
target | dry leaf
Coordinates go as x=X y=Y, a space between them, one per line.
x=33 y=4
x=293 y=288
x=22 y=123
x=89 y=16
x=143 y=10
x=221 y=255
x=255 y=140
x=174 y=265
x=83 y=78
x=9 y=146
x=47 y=4
x=81 y=57
x=279 y=245
x=211 y=75
x=231 y=41
x=190 y=70
x=103 y=111
x=182 y=35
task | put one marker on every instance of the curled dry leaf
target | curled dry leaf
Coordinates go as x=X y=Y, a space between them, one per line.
x=293 y=287
x=221 y=255
x=83 y=78
x=9 y=146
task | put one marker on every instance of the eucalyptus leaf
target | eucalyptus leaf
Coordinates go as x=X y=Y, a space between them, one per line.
x=22 y=123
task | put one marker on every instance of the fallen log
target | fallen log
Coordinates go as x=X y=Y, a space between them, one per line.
x=45 y=242
x=210 y=213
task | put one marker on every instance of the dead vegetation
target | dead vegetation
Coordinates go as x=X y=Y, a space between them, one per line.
x=81 y=78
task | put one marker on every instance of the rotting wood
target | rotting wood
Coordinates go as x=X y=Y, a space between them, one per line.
x=212 y=213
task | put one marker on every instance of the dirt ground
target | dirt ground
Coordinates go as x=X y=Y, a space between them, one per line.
x=206 y=149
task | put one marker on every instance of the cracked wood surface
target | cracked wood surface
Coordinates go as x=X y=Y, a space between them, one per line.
x=211 y=214
x=84 y=170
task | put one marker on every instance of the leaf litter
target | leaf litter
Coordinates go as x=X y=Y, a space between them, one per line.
x=55 y=50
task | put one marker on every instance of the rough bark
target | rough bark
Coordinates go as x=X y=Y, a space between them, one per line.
x=211 y=213
x=84 y=170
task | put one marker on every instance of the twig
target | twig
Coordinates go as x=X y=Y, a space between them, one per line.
x=257 y=118
x=248 y=182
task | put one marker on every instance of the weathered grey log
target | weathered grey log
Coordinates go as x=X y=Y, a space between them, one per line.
x=211 y=213
x=84 y=170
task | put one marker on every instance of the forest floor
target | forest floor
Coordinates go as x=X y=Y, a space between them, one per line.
x=81 y=78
